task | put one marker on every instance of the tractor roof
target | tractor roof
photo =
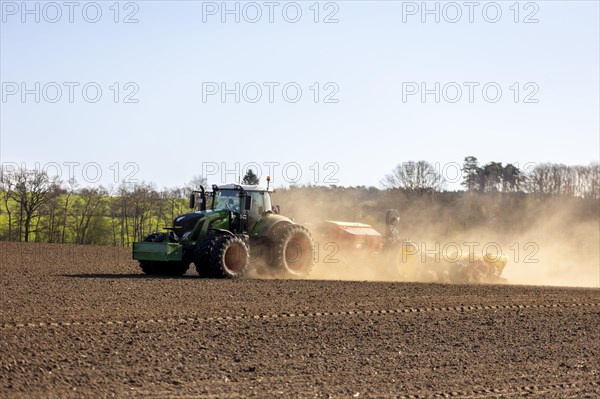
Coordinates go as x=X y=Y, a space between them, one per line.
x=245 y=187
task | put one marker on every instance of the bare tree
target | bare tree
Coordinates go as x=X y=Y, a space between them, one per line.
x=196 y=182
x=122 y=204
x=85 y=208
x=551 y=179
x=420 y=177
x=143 y=200
x=113 y=209
x=70 y=189
x=588 y=181
x=31 y=190
x=172 y=204
x=6 y=187
x=538 y=179
x=593 y=186
x=49 y=223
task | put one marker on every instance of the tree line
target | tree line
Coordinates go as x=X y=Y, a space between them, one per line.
x=37 y=207
x=545 y=179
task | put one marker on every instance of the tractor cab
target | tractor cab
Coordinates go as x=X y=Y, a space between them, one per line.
x=251 y=200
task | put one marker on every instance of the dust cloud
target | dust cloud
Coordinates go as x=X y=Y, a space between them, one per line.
x=547 y=241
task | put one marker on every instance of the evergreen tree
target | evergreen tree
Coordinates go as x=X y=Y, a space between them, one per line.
x=471 y=174
x=250 y=178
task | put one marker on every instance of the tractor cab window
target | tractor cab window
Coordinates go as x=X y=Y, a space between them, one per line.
x=267 y=200
x=257 y=205
x=261 y=202
x=226 y=199
x=209 y=201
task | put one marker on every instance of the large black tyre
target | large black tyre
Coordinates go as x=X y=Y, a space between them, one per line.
x=202 y=256
x=229 y=258
x=158 y=268
x=292 y=247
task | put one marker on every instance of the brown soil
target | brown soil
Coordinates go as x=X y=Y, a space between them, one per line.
x=83 y=322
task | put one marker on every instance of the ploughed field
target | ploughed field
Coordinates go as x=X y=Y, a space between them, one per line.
x=82 y=321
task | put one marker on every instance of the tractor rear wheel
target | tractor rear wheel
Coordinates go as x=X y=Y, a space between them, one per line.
x=229 y=258
x=293 y=251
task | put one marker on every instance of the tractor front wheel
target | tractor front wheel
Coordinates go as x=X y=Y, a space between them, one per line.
x=229 y=258
x=202 y=256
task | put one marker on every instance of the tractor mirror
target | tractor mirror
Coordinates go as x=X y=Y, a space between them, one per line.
x=192 y=201
x=248 y=203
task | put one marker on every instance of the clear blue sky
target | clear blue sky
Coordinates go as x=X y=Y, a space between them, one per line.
x=372 y=57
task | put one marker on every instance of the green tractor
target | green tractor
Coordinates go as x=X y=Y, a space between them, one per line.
x=230 y=227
